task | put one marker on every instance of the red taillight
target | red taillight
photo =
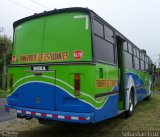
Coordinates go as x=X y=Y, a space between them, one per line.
x=11 y=81
x=13 y=59
x=77 y=84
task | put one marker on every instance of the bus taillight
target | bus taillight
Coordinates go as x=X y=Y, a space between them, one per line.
x=11 y=81
x=77 y=84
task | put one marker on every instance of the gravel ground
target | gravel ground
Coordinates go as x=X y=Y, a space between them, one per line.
x=146 y=118
x=18 y=125
x=4 y=116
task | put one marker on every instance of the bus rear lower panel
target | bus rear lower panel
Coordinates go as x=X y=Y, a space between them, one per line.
x=60 y=93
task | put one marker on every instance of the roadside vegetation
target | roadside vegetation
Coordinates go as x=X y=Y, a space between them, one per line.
x=157 y=86
x=146 y=118
x=3 y=93
x=5 y=50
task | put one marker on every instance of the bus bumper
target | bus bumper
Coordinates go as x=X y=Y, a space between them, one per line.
x=50 y=115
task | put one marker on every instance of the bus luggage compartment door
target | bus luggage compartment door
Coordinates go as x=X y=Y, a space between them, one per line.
x=39 y=90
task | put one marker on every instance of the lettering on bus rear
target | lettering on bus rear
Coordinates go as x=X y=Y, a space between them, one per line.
x=105 y=83
x=56 y=56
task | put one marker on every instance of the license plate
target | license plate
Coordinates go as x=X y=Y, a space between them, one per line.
x=39 y=68
x=13 y=112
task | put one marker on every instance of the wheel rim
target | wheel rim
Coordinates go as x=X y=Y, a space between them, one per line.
x=131 y=104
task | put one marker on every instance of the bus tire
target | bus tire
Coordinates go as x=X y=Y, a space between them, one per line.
x=148 y=98
x=41 y=121
x=129 y=112
x=45 y=122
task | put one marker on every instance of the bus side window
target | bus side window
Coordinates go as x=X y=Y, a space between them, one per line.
x=130 y=49
x=104 y=48
x=104 y=51
x=146 y=63
x=134 y=52
x=125 y=46
x=137 y=53
x=128 y=54
x=142 y=61
x=142 y=65
x=109 y=34
x=128 y=60
x=136 y=61
x=98 y=28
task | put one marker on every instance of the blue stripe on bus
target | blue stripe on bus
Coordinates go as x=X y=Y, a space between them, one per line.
x=141 y=93
x=25 y=96
x=46 y=96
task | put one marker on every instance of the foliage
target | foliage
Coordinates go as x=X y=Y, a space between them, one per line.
x=5 y=48
x=5 y=40
x=157 y=86
x=8 y=58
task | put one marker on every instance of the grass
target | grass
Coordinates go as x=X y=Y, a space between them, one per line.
x=157 y=85
x=157 y=88
x=146 y=118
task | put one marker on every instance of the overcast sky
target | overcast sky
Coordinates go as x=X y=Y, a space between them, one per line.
x=138 y=20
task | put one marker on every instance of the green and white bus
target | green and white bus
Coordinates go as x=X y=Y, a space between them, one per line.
x=71 y=65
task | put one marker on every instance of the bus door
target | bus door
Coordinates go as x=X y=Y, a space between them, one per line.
x=121 y=67
x=39 y=88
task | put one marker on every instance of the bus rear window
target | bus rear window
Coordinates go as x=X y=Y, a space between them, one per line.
x=64 y=37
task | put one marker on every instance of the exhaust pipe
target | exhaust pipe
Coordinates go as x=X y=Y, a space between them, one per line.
x=29 y=118
x=21 y=117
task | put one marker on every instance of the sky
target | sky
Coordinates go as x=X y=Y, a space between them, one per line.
x=138 y=20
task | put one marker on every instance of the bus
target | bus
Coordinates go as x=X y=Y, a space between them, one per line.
x=71 y=65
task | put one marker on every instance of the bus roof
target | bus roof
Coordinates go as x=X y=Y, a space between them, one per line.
x=46 y=13
x=57 y=11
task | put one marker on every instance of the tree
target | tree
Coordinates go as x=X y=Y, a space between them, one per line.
x=5 y=50
x=5 y=44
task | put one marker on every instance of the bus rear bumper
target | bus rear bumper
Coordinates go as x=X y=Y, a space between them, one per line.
x=50 y=115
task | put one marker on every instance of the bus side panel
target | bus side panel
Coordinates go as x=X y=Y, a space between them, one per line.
x=109 y=103
x=109 y=110
x=141 y=82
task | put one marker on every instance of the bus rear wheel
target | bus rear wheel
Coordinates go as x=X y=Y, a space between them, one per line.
x=129 y=112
